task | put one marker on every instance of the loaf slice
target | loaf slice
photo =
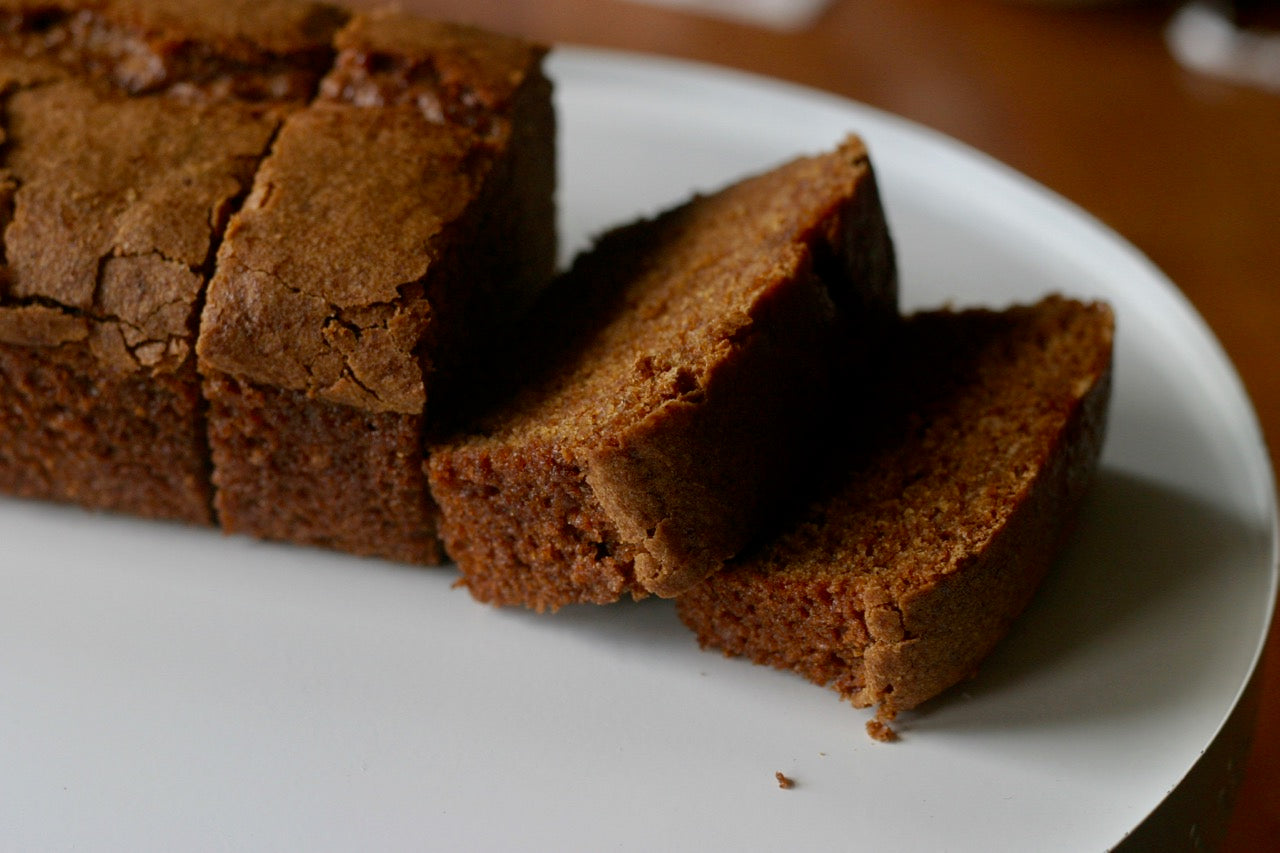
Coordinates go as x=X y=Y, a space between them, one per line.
x=680 y=373
x=383 y=245
x=951 y=505
x=114 y=209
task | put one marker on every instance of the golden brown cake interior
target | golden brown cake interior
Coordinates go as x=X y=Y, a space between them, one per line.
x=676 y=376
x=955 y=497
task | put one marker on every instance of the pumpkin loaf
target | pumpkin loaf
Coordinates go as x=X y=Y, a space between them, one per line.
x=114 y=206
x=401 y=210
x=948 y=509
x=399 y=223
x=132 y=131
x=680 y=373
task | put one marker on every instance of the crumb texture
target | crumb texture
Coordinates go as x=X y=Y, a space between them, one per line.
x=959 y=483
x=283 y=467
x=70 y=431
x=675 y=377
x=235 y=265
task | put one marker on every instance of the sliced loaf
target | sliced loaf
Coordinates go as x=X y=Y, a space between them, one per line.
x=679 y=377
x=952 y=504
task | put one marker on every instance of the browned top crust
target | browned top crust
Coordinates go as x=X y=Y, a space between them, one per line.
x=40 y=325
x=371 y=199
x=654 y=354
x=336 y=307
x=107 y=192
x=255 y=49
x=118 y=204
x=451 y=72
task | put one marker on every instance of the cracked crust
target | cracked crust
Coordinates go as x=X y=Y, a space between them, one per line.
x=949 y=510
x=680 y=371
x=339 y=310
x=413 y=238
x=115 y=206
x=115 y=238
x=400 y=219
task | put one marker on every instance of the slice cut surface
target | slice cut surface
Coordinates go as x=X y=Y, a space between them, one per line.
x=679 y=374
x=950 y=505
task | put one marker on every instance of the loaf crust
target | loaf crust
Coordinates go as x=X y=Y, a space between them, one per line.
x=952 y=505
x=401 y=212
x=413 y=237
x=682 y=369
x=114 y=208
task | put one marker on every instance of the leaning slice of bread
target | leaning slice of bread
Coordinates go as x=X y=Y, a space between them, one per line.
x=683 y=370
x=949 y=507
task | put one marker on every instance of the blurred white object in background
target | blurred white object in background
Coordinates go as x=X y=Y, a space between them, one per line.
x=1203 y=37
x=777 y=14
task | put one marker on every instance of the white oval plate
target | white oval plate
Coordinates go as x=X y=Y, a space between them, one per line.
x=164 y=688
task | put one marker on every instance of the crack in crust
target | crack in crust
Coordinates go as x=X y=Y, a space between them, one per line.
x=112 y=254
x=105 y=368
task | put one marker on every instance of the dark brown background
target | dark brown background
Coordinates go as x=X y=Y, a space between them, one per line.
x=1085 y=99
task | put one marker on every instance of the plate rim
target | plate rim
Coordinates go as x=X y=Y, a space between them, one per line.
x=758 y=83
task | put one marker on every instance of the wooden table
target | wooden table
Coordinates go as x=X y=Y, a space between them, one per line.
x=1085 y=100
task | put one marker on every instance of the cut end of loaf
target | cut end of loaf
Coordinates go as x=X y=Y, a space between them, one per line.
x=681 y=374
x=957 y=495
